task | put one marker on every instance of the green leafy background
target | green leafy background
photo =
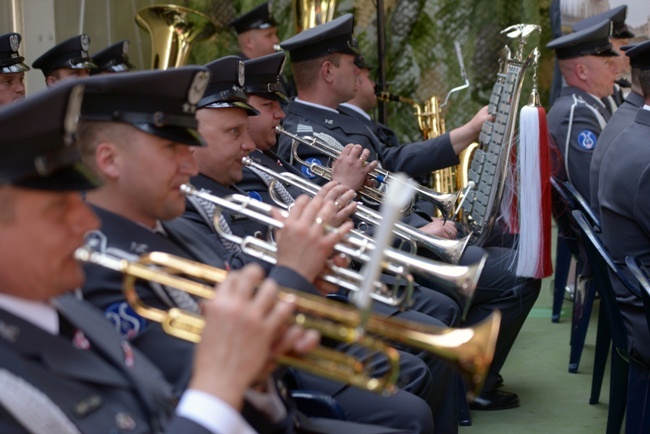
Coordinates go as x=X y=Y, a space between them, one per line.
x=420 y=34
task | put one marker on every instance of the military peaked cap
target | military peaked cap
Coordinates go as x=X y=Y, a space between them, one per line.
x=359 y=60
x=71 y=53
x=616 y=16
x=263 y=76
x=258 y=18
x=161 y=103
x=113 y=58
x=43 y=155
x=639 y=55
x=10 y=60
x=226 y=87
x=331 y=37
x=592 y=41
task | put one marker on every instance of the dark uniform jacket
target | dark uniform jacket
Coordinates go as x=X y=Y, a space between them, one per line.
x=620 y=120
x=241 y=226
x=174 y=356
x=340 y=129
x=103 y=288
x=348 y=396
x=414 y=159
x=575 y=122
x=256 y=187
x=107 y=387
x=625 y=219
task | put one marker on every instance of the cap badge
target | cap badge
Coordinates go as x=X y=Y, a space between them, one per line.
x=240 y=76
x=14 y=42
x=85 y=42
x=71 y=118
x=125 y=47
x=199 y=83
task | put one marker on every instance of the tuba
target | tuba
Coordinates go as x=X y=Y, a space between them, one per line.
x=310 y=13
x=173 y=29
x=489 y=168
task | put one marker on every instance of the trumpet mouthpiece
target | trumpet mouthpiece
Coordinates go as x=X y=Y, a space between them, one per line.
x=187 y=189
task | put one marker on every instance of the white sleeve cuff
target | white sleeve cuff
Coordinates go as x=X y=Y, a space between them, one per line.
x=212 y=413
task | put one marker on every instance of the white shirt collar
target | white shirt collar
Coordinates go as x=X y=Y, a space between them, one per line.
x=158 y=229
x=356 y=109
x=315 y=105
x=602 y=104
x=40 y=313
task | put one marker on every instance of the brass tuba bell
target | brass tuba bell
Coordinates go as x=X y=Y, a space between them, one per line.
x=173 y=29
x=310 y=13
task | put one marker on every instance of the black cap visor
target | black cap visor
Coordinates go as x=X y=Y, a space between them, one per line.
x=61 y=170
x=250 y=110
x=78 y=177
x=622 y=33
x=604 y=50
x=269 y=90
x=13 y=66
x=342 y=44
x=185 y=135
x=113 y=67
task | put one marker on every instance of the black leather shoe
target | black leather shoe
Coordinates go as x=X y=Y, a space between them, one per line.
x=495 y=400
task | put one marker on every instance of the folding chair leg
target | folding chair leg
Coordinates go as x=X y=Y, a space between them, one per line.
x=618 y=393
x=464 y=412
x=603 y=339
x=562 y=265
x=637 y=419
x=582 y=305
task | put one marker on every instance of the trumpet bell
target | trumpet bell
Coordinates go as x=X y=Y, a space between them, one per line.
x=470 y=349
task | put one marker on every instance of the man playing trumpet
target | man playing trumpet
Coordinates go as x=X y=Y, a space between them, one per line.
x=224 y=120
x=63 y=367
x=146 y=120
x=326 y=76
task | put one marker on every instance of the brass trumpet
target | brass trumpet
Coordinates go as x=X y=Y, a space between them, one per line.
x=470 y=349
x=345 y=278
x=447 y=250
x=443 y=201
x=464 y=278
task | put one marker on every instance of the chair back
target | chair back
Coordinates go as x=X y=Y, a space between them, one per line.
x=642 y=275
x=580 y=203
x=562 y=205
x=601 y=266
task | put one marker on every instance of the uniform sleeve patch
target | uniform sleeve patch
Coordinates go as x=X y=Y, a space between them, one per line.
x=305 y=170
x=255 y=195
x=587 y=140
x=126 y=322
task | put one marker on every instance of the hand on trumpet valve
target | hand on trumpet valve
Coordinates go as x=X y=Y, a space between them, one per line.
x=343 y=199
x=306 y=242
x=245 y=331
x=441 y=228
x=351 y=168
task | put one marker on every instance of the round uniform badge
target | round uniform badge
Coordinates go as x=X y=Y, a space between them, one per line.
x=255 y=195
x=587 y=140
x=305 y=170
x=126 y=322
